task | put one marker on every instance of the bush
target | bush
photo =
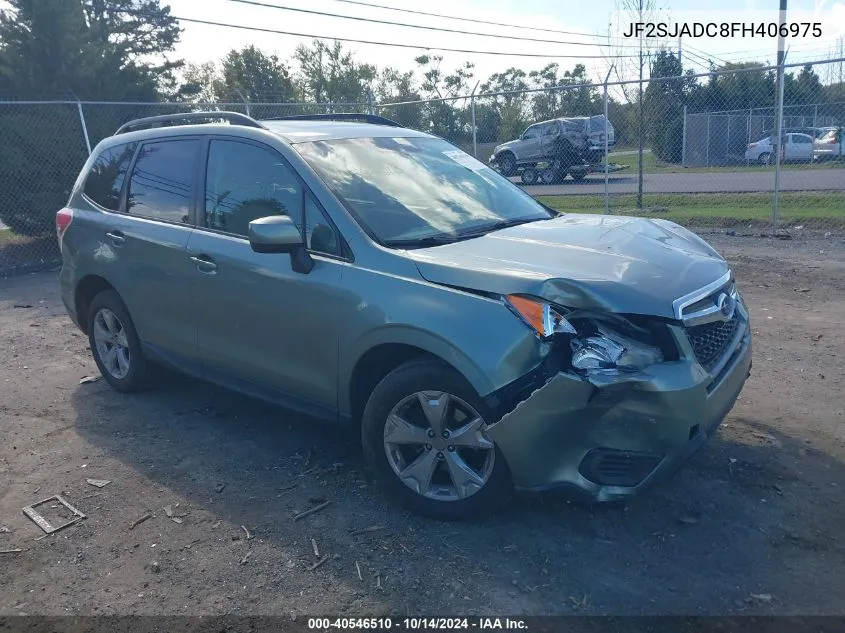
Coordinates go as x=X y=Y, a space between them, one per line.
x=669 y=142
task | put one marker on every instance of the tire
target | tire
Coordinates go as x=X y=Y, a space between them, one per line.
x=507 y=163
x=764 y=158
x=552 y=176
x=529 y=176
x=110 y=327
x=399 y=398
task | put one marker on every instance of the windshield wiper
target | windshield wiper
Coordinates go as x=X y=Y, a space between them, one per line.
x=496 y=226
x=422 y=242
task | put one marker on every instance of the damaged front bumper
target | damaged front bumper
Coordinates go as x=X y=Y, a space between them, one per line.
x=608 y=437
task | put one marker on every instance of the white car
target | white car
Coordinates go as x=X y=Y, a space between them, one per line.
x=797 y=147
x=826 y=146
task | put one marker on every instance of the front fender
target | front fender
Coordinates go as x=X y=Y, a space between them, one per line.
x=479 y=336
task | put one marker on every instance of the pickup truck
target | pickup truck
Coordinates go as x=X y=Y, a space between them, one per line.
x=565 y=143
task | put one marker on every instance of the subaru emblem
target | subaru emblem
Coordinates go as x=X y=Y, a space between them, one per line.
x=726 y=304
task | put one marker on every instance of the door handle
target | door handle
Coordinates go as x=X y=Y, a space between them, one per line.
x=204 y=264
x=117 y=238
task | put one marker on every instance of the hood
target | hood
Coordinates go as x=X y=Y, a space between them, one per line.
x=621 y=264
x=498 y=148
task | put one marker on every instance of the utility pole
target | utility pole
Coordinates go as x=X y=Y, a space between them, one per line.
x=640 y=122
x=779 y=118
x=680 y=54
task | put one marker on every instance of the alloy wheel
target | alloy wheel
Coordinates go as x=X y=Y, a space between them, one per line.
x=111 y=343
x=436 y=444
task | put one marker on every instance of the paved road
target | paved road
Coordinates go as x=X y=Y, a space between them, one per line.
x=731 y=182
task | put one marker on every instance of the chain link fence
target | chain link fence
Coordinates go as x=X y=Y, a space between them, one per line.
x=700 y=150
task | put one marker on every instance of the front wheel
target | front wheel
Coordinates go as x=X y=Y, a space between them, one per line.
x=764 y=158
x=424 y=433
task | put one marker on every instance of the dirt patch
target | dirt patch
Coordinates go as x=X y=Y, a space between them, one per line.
x=757 y=512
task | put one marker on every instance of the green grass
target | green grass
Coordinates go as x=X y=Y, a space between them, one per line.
x=6 y=236
x=813 y=209
x=653 y=165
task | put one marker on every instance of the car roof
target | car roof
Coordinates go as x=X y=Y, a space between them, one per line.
x=292 y=131
x=295 y=131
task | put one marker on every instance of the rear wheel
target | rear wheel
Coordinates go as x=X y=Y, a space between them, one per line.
x=115 y=345
x=424 y=433
x=764 y=158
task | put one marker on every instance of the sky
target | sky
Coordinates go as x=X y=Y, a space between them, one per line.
x=590 y=21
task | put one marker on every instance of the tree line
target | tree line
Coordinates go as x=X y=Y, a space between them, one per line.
x=124 y=50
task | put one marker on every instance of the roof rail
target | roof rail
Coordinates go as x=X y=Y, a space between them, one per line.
x=186 y=118
x=339 y=116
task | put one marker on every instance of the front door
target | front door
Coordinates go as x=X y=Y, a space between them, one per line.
x=259 y=322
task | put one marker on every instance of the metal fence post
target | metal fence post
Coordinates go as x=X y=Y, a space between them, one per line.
x=779 y=126
x=707 y=146
x=474 y=127
x=371 y=107
x=606 y=150
x=84 y=127
x=683 y=138
x=245 y=99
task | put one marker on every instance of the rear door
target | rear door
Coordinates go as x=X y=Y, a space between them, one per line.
x=143 y=249
x=261 y=325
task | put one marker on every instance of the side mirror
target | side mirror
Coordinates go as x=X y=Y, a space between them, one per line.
x=274 y=234
x=278 y=234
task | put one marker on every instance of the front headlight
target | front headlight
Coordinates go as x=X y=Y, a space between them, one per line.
x=609 y=352
x=596 y=347
x=541 y=316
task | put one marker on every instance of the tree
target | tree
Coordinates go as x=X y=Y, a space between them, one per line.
x=509 y=110
x=664 y=106
x=331 y=74
x=201 y=83
x=444 y=118
x=255 y=76
x=91 y=49
x=393 y=86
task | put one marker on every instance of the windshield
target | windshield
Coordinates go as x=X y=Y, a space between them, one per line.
x=405 y=189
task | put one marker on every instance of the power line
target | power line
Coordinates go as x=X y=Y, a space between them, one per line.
x=453 y=17
x=357 y=41
x=417 y=26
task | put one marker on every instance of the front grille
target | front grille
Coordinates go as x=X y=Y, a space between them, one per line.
x=709 y=341
x=609 y=467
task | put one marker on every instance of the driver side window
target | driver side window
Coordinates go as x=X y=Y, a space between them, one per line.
x=531 y=132
x=245 y=182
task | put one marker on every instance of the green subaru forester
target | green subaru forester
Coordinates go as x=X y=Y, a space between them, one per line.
x=356 y=271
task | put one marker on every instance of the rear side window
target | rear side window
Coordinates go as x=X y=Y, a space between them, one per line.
x=105 y=180
x=161 y=183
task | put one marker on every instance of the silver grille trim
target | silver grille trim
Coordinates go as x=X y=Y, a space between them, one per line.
x=694 y=309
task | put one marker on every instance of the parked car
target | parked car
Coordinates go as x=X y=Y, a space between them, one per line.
x=567 y=141
x=380 y=278
x=830 y=145
x=797 y=147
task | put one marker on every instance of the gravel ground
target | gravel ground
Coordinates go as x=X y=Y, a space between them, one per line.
x=753 y=524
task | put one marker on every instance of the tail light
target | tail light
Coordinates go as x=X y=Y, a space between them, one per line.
x=831 y=141
x=63 y=219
